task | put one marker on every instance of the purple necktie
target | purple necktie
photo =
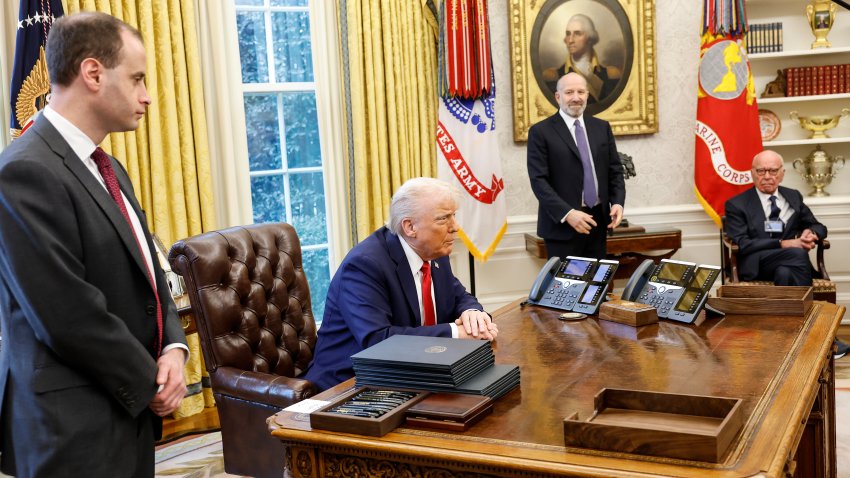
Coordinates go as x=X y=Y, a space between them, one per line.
x=588 y=185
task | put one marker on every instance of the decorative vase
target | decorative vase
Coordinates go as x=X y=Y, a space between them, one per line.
x=819 y=124
x=818 y=169
x=821 y=15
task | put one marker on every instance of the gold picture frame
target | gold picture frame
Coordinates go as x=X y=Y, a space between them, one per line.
x=537 y=34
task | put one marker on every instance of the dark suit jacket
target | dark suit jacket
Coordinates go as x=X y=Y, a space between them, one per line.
x=744 y=224
x=78 y=315
x=373 y=296
x=555 y=171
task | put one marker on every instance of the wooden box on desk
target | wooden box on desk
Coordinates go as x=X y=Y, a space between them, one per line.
x=627 y=312
x=380 y=426
x=690 y=427
x=762 y=300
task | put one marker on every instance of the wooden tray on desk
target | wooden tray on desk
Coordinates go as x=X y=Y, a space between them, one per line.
x=762 y=300
x=690 y=427
x=325 y=419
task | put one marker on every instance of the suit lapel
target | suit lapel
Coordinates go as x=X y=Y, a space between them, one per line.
x=405 y=278
x=94 y=188
x=560 y=127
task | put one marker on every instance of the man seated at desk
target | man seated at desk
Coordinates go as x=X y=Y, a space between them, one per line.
x=774 y=229
x=398 y=281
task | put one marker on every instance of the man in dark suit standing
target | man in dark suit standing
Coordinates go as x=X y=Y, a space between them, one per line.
x=773 y=228
x=398 y=281
x=93 y=351
x=576 y=174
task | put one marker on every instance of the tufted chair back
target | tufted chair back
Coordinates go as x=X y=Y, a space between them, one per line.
x=251 y=302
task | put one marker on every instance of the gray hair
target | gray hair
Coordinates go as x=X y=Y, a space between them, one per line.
x=408 y=199
x=589 y=27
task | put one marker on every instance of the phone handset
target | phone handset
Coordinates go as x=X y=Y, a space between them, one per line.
x=543 y=278
x=638 y=280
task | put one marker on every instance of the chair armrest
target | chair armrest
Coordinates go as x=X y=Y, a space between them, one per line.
x=823 y=245
x=732 y=254
x=261 y=387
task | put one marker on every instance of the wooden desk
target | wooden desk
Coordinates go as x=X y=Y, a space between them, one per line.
x=630 y=248
x=780 y=366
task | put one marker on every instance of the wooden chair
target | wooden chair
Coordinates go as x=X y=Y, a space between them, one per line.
x=251 y=302
x=822 y=287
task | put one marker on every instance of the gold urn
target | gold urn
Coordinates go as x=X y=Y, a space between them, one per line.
x=821 y=15
x=818 y=169
x=819 y=124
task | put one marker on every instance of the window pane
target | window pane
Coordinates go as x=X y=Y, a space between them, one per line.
x=252 y=3
x=252 y=47
x=302 y=130
x=268 y=199
x=289 y=3
x=263 y=132
x=307 y=198
x=293 y=59
x=316 y=267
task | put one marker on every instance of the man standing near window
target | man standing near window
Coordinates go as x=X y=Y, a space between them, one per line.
x=93 y=353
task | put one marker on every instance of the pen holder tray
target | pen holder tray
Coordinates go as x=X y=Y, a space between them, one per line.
x=366 y=411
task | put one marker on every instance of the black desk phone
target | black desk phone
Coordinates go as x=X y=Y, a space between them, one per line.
x=575 y=283
x=677 y=289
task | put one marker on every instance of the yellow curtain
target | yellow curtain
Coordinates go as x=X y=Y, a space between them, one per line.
x=168 y=155
x=391 y=82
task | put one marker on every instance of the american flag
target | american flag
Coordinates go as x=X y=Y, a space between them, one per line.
x=30 y=83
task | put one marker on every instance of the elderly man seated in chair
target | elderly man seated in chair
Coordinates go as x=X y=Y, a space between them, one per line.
x=398 y=281
x=774 y=229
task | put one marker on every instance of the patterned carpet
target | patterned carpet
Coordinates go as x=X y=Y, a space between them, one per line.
x=198 y=456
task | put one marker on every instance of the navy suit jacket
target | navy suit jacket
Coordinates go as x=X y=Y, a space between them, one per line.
x=373 y=296
x=78 y=315
x=744 y=224
x=555 y=171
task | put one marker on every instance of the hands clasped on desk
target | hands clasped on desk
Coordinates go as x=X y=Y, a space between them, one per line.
x=474 y=324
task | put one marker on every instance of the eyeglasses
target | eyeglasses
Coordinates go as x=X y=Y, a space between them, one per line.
x=768 y=172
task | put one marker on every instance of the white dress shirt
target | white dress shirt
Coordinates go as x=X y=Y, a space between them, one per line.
x=415 y=262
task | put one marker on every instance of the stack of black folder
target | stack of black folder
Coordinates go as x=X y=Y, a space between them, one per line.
x=435 y=364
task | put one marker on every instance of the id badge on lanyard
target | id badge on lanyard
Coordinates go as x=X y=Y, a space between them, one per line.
x=774 y=226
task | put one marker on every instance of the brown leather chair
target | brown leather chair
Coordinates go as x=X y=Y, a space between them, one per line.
x=822 y=287
x=251 y=301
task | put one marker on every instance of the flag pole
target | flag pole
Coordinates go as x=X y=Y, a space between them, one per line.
x=471 y=273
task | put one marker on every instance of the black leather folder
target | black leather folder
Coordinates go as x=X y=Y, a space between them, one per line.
x=437 y=354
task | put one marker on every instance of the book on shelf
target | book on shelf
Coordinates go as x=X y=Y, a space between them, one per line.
x=817 y=80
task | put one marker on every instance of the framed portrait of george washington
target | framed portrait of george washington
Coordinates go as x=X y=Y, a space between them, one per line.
x=609 y=42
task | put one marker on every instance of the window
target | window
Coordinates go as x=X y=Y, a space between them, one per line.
x=285 y=161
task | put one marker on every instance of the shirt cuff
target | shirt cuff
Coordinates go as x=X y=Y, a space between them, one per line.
x=454 y=329
x=564 y=219
x=176 y=346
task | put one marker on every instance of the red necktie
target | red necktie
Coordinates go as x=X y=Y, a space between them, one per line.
x=427 y=301
x=104 y=166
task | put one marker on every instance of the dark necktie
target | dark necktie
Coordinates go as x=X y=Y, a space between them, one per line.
x=104 y=166
x=588 y=185
x=774 y=209
x=427 y=300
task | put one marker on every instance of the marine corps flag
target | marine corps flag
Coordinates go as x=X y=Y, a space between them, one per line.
x=30 y=83
x=727 y=126
x=467 y=147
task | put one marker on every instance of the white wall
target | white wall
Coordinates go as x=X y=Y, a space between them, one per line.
x=662 y=191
